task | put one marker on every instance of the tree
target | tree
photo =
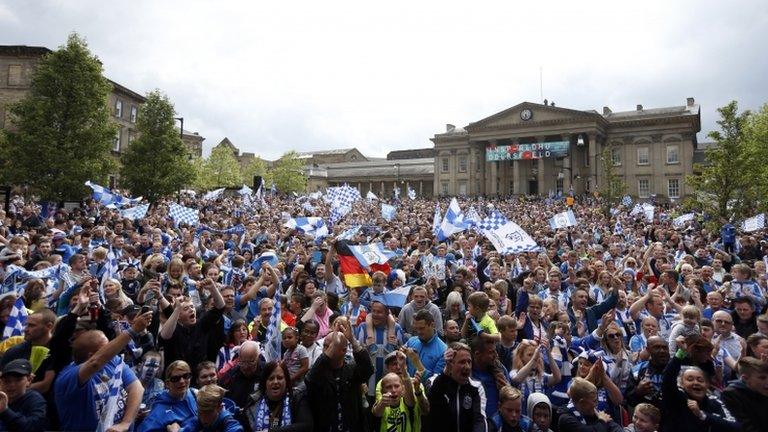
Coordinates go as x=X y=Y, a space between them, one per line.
x=221 y=169
x=288 y=174
x=63 y=132
x=613 y=186
x=728 y=185
x=256 y=167
x=157 y=162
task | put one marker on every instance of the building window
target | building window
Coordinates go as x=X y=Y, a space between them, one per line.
x=444 y=167
x=673 y=188
x=673 y=154
x=462 y=187
x=444 y=188
x=134 y=113
x=14 y=75
x=559 y=186
x=511 y=187
x=643 y=157
x=616 y=156
x=117 y=140
x=643 y=188
x=462 y=164
x=586 y=157
x=119 y=108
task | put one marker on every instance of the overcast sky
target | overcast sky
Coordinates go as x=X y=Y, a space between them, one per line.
x=280 y=75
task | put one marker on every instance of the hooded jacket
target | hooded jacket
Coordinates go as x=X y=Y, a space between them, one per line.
x=224 y=423
x=167 y=410
x=455 y=407
x=748 y=406
x=538 y=398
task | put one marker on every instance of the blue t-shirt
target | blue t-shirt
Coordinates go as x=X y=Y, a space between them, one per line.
x=80 y=405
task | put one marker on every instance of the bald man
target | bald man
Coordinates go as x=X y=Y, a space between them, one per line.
x=86 y=381
x=241 y=378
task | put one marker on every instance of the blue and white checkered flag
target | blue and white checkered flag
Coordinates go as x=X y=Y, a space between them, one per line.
x=214 y=194
x=181 y=214
x=754 y=223
x=111 y=407
x=17 y=320
x=680 y=221
x=563 y=220
x=493 y=221
x=135 y=213
x=350 y=233
x=108 y=198
x=626 y=201
x=314 y=226
x=245 y=190
x=510 y=238
x=453 y=221
x=274 y=338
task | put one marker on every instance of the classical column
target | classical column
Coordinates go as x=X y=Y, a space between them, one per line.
x=540 y=175
x=421 y=187
x=480 y=179
x=381 y=194
x=567 y=168
x=594 y=151
x=517 y=182
x=494 y=174
x=370 y=186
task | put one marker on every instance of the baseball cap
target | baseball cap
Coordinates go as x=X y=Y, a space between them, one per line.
x=18 y=367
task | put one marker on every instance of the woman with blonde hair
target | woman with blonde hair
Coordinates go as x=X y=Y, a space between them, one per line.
x=113 y=289
x=176 y=404
x=528 y=369
x=454 y=308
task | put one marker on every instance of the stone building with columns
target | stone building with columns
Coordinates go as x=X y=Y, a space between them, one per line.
x=532 y=149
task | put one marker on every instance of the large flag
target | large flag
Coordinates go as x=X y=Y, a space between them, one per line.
x=648 y=210
x=350 y=233
x=492 y=221
x=352 y=271
x=411 y=193
x=563 y=220
x=314 y=226
x=754 y=223
x=388 y=211
x=214 y=194
x=108 y=198
x=268 y=256
x=436 y=219
x=617 y=229
x=274 y=338
x=626 y=201
x=181 y=214
x=373 y=256
x=453 y=221
x=395 y=298
x=510 y=238
x=245 y=190
x=680 y=221
x=17 y=320
x=370 y=196
x=135 y=213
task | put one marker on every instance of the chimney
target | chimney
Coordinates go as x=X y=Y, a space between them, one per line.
x=606 y=111
x=449 y=128
x=639 y=107
x=690 y=102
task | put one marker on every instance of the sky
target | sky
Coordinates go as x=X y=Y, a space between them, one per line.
x=381 y=76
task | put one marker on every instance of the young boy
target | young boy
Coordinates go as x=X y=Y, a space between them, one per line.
x=688 y=326
x=645 y=419
x=541 y=411
x=396 y=406
x=507 y=327
x=509 y=417
x=478 y=322
x=582 y=410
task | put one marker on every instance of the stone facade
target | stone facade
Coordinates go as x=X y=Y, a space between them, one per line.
x=332 y=156
x=651 y=149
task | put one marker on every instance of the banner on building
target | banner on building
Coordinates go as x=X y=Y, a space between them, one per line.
x=527 y=151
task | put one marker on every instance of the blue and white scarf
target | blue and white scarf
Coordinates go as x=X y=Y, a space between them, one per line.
x=260 y=416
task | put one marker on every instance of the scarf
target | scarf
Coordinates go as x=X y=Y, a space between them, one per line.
x=574 y=412
x=260 y=418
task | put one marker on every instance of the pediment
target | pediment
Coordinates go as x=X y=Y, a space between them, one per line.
x=538 y=114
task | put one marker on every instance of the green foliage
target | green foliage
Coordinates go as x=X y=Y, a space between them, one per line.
x=157 y=162
x=612 y=187
x=221 y=169
x=729 y=186
x=256 y=167
x=288 y=174
x=63 y=132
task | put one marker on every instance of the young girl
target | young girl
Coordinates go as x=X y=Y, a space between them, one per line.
x=296 y=357
x=528 y=368
x=238 y=333
x=353 y=310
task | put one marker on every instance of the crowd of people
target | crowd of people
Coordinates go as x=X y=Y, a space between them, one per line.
x=618 y=323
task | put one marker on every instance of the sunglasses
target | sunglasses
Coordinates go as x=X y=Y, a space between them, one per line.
x=613 y=336
x=177 y=378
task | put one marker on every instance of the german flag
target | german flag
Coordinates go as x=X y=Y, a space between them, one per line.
x=353 y=273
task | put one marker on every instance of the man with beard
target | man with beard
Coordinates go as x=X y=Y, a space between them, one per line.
x=645 y=382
